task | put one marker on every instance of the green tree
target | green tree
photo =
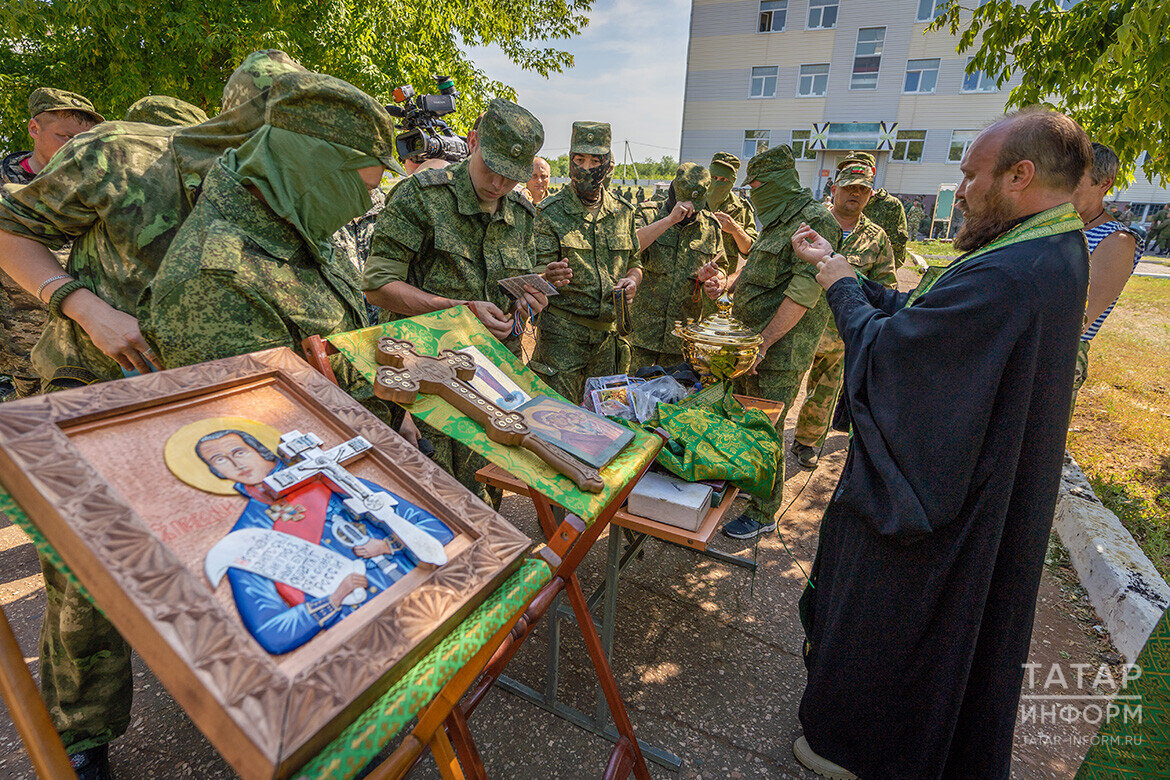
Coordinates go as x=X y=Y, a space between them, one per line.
x=1106 y=64
x=116 y=51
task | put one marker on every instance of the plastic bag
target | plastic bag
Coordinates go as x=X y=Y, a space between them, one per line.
x=646 y=396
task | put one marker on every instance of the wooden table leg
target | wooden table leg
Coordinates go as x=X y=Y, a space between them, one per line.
x=28 y=709
x=449 y=768
x=465 y=750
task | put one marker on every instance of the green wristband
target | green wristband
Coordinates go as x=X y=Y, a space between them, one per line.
x=60 y=294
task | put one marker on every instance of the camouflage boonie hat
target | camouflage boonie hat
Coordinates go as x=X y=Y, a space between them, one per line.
x=255 y=74
x=725 y=164
x=590 y=138
x=856 y=172
x=165 y=111
x=777 y=158
x=862 y=157
x=48 y=99
x=691 y=182
x=333 y=110
x=509 y=138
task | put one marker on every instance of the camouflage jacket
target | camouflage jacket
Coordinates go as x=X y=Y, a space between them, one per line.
x=237 y=278
x=119 y=192
x=1160 y=223
x=867 y=248
x=670 y=268
x=352 y=242
x=600 y=249
x=914 y=218
x=434 y=236
x=11 y=170
x=739 y=209
x=773 y=273
x=887 y=212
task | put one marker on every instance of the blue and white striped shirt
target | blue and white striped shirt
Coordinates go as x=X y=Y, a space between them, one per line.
x=1093 y=237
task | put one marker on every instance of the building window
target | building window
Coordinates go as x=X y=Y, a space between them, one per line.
x=960 y=142
x=814 y=81
x=772 y=15
x=755 y=141
x=801 y=148
x=932 y=9
x=764 y=82
x=867 y=57
x=908 y=146
x=822 y=14
x=921 y=76
x=978 y=81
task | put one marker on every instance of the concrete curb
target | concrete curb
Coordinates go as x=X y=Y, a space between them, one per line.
x=1124 y=587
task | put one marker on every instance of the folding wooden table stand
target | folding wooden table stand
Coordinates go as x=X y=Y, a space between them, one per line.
x=569 y=540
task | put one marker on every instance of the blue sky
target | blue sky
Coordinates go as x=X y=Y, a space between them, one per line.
x=629 y=69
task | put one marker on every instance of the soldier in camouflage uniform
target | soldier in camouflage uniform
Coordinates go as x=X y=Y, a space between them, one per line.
x=868 y=249
x=592 y=229
x=884 y=209
x=145 y=187
x=1160 y=231
x=682 y=247
x=165 y=111
x=447 y=237
x=287 y=283
x=55 y=117
x=777 y=293
x=736 y=216
x=914 y=218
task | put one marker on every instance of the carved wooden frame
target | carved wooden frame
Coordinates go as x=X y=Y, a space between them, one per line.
x=266 y=720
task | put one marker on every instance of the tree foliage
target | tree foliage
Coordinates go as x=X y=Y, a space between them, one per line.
x=1106 y=64
x=116 y=51
x=660 y=169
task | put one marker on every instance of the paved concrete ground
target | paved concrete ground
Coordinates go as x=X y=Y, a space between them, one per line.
x=707 y=659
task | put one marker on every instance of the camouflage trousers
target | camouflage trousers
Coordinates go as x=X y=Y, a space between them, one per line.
x=824 y=381
x=641 y=358
x=1080 y=374
x=85 y=667
x=781 y=387
x=568 y=353
x=461 y=462
x=22 y=318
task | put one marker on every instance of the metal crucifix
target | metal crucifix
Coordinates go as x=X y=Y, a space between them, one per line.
x=361 y=501
x=405 y=373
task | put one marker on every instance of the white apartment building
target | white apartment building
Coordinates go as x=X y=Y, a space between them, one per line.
x=829 y=76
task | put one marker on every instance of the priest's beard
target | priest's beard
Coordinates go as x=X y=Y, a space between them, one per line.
x=982 y=227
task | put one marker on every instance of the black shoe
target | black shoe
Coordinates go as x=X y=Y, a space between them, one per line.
x=92 y=763
x=806 y=456
x=744 y=527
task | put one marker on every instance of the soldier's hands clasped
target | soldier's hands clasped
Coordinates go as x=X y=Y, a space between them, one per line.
x=558 y=273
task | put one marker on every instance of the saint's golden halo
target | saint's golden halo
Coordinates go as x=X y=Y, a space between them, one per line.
x=185 y=464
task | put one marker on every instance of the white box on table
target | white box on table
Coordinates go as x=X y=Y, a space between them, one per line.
x=670 y=500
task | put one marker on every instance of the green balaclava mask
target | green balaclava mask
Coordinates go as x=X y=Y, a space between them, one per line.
x=311 y=183
x=779 y=195
x=727 y=166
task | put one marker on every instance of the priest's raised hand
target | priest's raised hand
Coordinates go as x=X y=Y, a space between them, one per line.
x=813 y=248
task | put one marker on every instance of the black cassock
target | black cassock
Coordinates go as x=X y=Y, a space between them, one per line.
x=931 y=548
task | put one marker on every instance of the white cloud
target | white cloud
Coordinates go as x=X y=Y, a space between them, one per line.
x=629 y=70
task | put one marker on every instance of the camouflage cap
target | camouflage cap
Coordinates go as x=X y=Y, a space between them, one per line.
x=255 y=74
x=855 y=172
x=48 y=99
x=165 y=111
x=509 y=138
x=853 y=157
x=725 y=164
x=691 y=182
x=590 y=138
x=333 y=110
x=777 y=158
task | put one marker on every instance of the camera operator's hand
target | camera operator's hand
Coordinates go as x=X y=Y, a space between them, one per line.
x=498 y=323
x=681 y=211
x=558 y=273
x=809 y=245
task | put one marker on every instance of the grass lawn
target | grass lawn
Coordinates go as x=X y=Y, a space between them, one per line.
x=940 y=248
x=1120 y=433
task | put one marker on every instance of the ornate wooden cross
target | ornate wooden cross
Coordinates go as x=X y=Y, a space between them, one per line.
x=405 y=373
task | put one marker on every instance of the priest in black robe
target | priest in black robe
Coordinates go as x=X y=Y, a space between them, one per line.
x=923 y=592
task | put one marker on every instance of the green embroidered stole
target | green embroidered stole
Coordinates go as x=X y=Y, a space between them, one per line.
x=1060 y=219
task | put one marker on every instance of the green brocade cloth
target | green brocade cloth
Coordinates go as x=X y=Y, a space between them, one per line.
x=373 y=729
x=1131 y=747
x=713 y=436
x=456 y=328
